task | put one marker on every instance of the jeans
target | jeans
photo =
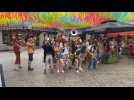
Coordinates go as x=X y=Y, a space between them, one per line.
x=92 y=63
x=49 y=61
x=98 y=55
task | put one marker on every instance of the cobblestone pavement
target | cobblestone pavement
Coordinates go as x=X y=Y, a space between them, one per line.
x=119 y=74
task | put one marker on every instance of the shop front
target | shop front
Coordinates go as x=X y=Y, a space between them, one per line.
x=128 y=39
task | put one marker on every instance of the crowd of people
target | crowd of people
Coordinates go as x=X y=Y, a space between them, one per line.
x=63 y=53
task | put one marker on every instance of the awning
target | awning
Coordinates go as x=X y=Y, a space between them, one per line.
x=110 y=27
x=129 y=33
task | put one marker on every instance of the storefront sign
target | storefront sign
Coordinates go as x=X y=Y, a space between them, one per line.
x=130 y=33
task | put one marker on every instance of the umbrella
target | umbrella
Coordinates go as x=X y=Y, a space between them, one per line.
x=111 y=27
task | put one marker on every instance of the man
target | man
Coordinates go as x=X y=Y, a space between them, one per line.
x=30 y=48
x=82 y=55
x=44 y=46
x=48 y=51
x=16 y=47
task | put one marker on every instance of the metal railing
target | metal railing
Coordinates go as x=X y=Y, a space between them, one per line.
x=2 y=76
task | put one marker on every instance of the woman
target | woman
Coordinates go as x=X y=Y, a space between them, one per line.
x=30 y=48
x=77 y=58
x=88 y=55
x=17 y=47
x=93 y=62
x=82 y=55
x=57 y=55
x=63 y=58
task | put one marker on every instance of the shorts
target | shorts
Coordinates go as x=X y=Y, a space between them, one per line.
x=57 y=56
x=82 y=56
x=30 y=56
x=63 y=57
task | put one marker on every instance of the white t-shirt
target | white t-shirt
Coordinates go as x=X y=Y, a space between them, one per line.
x=89 y=47
x=87 y=44
x=61 y=45
x=66 y=52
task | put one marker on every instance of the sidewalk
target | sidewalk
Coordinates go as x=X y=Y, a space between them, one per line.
x=118 y=74
x=4 y=47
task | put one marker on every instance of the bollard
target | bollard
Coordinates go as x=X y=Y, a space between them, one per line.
x=2 y=76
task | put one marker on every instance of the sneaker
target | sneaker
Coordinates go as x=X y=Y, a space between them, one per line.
x=62 y=71
x=58 y=71
x=77 y=71
x=16 y=69
x=80 y=69
x=30 y=69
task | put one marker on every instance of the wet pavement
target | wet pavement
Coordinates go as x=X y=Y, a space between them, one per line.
x=120 y=74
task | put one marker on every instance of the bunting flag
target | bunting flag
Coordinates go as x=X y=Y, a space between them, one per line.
x=62 y=19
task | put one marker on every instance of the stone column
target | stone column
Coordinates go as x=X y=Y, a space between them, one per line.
x=41 y=39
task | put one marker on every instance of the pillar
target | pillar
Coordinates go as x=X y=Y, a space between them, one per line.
x=41 y=39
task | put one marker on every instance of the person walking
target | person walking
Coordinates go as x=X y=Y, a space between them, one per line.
x=78 y=58
x=63 y=58
x=44 y=55
x=30 y=48
x=17 y=47
x=57 y=55
x=93 y=62
x=48 y=53
x=82 y=55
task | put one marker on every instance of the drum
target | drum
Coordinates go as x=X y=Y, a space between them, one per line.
x=71 y=56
